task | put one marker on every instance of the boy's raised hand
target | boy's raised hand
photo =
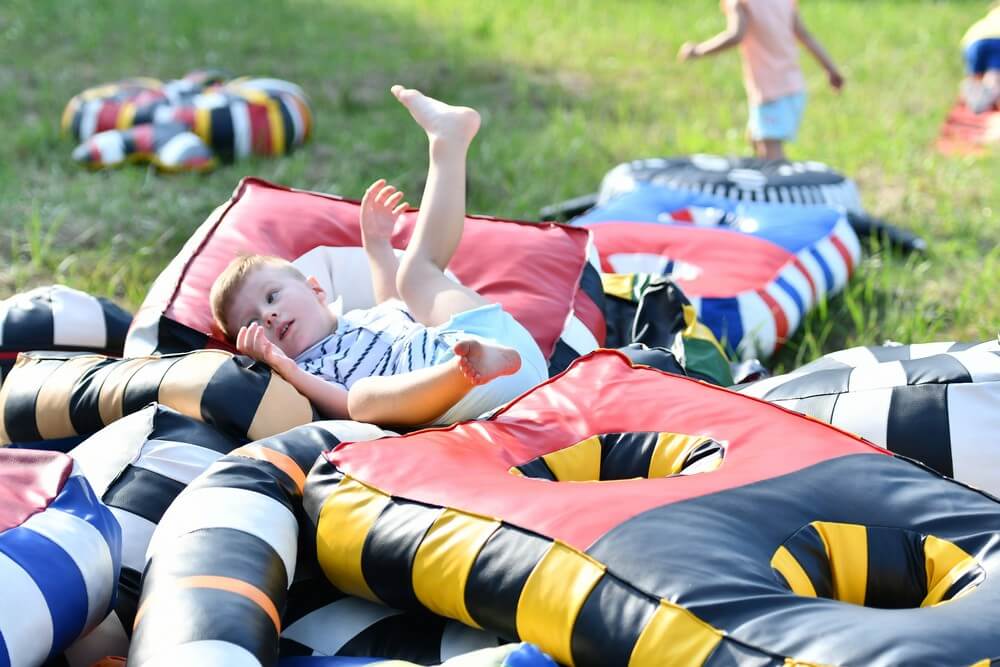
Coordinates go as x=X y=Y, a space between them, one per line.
x=380 y=208
x=252 y=341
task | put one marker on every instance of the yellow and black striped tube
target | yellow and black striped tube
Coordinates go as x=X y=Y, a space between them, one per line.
x=489 y=574
x=615 y=456
x=874 y=566
x=220 y=571
x=51 y=395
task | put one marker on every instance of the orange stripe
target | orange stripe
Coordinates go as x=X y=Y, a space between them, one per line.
x=281 y=461
x=222 y=584
x=801 y=267
x=780 y=321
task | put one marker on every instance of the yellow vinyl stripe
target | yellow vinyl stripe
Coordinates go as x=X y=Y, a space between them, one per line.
x=670 y=451
x=784 y=562
x=444 y=559
x=345 y=519
x=279 y=460
x=847 y=550
x=578 y=463
x=52 y=403
x=697 y=330
x=516 y=472
x=552 y=597
x=945 y=563
x=277 y=127
x=203 y=124
x=185 y=381
x=281 y=408
x=674 y=636
x=125 y=116
x=67 y=115
x=111 y=399
x=238 y=586
x=985 y=662
x=618 y=284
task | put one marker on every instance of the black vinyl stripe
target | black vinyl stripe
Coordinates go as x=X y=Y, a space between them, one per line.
x=971 y=577
x=287 y=123
x=595 y=640
x=129 y=590
x=77 y=120
x=19 y=410
x=142 y=492
x=627 y=455
x=323 y=479
x=897 y=574
x=820 y=407
x=731 y=654
x=591 y=284
x=918 y=426
x=84 y=403
x=830 y=381
x=233 y=395
x=393 y=540
x=302 y=444
x=414 y=638
x=937 y=369
x=30 y=328
x=538 y=469
x=498 y=575
x=562 y=356
x=143 y=386
x=237 y=472
x=222 y=133
x=884 y=353
x=172 y=426
x=807 y=547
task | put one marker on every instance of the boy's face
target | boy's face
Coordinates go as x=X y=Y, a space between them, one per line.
x=292 y=311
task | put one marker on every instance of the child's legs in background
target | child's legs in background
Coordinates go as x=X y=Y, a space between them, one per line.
x=981 y=87
x=774 y=122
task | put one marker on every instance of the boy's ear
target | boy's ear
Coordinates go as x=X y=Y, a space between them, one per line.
x=317 y=288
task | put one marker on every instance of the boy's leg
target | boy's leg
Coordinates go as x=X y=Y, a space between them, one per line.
x=772 y=149
x=429 y=295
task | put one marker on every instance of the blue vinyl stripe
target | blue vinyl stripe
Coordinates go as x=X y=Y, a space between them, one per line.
x=792 y=292
x=722 y=316
x=827 y=274
x=57 y=577
x=4 y=653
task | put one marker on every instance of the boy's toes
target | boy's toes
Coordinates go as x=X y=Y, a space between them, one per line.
x=463 y=349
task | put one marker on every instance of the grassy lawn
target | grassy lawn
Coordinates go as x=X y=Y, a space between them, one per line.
x=568 y=90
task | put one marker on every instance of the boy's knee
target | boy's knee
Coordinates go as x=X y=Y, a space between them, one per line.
x=408 y=275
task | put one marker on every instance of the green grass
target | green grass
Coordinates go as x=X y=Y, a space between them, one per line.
x=567 y=90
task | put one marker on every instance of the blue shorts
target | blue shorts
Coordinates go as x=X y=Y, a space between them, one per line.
x=492 y=324
x=982 y=55
x=778 y=119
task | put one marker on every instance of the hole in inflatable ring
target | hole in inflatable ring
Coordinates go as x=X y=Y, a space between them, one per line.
x=884 y=568
x=621 y=456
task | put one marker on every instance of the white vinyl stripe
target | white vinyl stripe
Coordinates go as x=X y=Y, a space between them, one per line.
x=88 y=549
x=143 y=335
x=106 y=639
x=220 y=507
x=103 y=456
x=578 y=336
x=111 y=146
x=794 y=277
x=759 y=334
x=854 y=357
x=761 y=387
x=329 y=628
x=924 y=350
x=179 y=461
x=877 y=376
x=241 y=128
x=346 y=430
x=815 y=272
x=172 y=153
x=298 y=125
x=835 y=262
x=639 y=262
x=458 y=639
x=88 y=118
x=205 y=652
x=137 y=531
x=988 y=346
x=843 y=231
x=787 y=306
x=982 y=366
x=26 y=625
x=77 y=319
x=865 y=413
x=593 y=256
x=973 y=422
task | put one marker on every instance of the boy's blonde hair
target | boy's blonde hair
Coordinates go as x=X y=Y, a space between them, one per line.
x=228 y=283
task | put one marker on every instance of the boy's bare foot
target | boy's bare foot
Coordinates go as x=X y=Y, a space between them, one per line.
x=481 y=362
x=439 y=120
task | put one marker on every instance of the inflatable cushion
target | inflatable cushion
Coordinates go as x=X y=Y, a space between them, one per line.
x=511 y=655
x=805 y=544
x=541 y=274
x=59 y=318
x=188 y=124
x=752 y=271
x=59 y=556
x=938 y=403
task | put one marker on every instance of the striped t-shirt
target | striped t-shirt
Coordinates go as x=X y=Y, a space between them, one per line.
x=383 y=340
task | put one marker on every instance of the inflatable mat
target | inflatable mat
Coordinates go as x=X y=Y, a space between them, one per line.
x=511 y=655
x=59 y=318
x=59 y=556
x=751 y=270
x=966 y=133
x=938 y=403
x=544 y=275
x=189 y=124
x=678 y=523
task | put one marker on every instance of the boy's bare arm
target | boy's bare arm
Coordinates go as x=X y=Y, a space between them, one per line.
x=380 y=208
x=819 y=53
x=733 y=34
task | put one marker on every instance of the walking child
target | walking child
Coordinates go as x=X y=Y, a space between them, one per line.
x=431 y=351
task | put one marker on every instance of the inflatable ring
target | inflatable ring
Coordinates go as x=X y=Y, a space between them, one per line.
x=59 y=318
x=59 y=556
x=740 y=179
x=793 y=549
x=545 y=275
x=938 y=403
